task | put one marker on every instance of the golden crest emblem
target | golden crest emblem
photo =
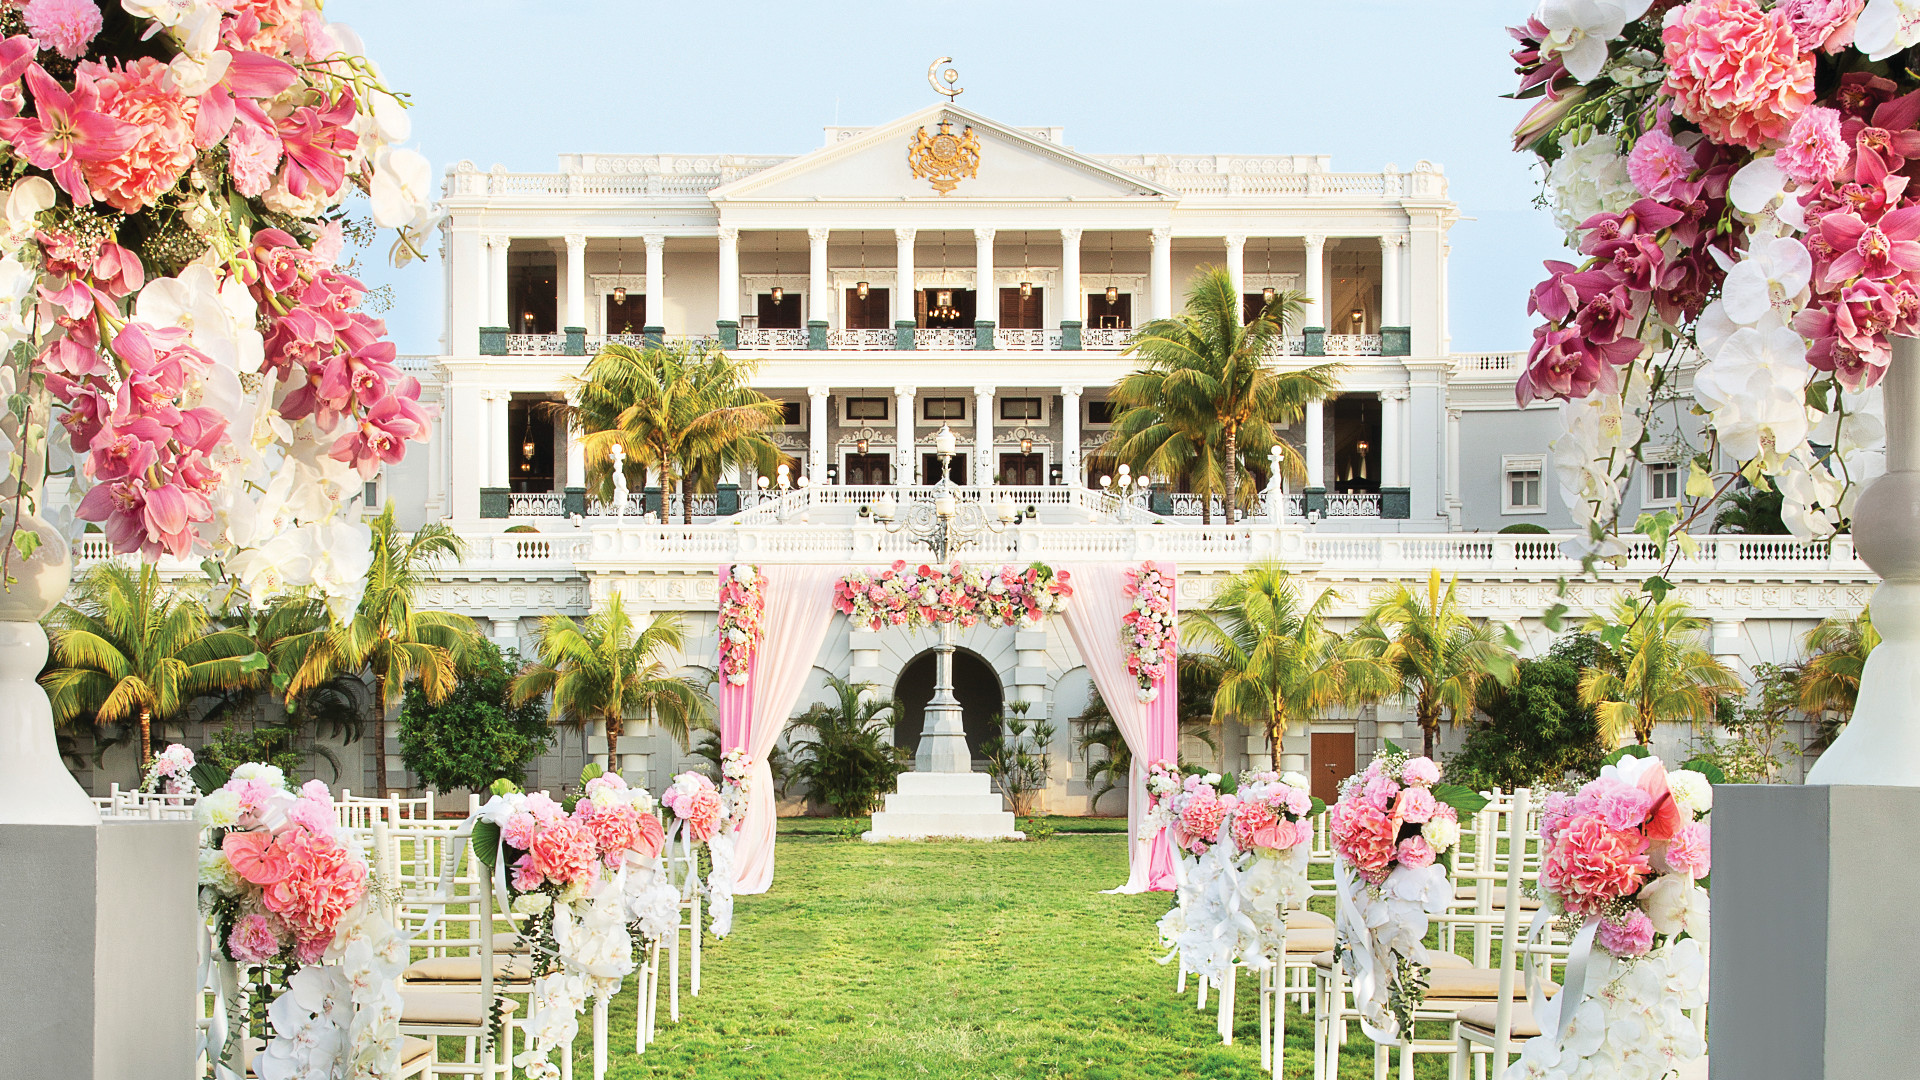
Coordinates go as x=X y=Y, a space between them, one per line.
x=944 y=159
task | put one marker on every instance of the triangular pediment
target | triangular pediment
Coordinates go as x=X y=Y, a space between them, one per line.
x=877 y=164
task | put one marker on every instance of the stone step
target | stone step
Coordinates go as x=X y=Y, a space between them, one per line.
x=921 y=783
x=914 y=803
x=889 y=825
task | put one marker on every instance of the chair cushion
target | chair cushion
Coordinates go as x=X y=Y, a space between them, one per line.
x=412 y=1050
x=1469 y=894
x=1311 y=940
x=448 y=1007
x=1308 y=920
x=466 y=969
x=508 y=942
x=1473 y=983
x=1435 y=958
x=1482 y=1015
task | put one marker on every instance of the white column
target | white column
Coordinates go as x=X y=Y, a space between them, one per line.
x=1070 y=434
x=1160 y=274
x=464 y=426
x=1316 y=314
x=1070 y=296
x=483 y=282
x=906 y=459
x=983 y=470
x=497 y=246
x=1316 y=444
x=819 y=285
x=1237 y=267
x=497 y=438
x=657 y=279
x=576 y=452
x=576 y=308
x=903 y=277
x=729 y=288
x=817 y=434
x=1393 y=438
x=1453 y=465
x=986 y=298
x=1390 y=248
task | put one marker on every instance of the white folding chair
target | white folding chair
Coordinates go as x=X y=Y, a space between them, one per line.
x=683 y=865
x=454 y=920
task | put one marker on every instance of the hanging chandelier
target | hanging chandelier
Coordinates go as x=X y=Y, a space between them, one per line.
x=778 y=292
x=1026 y=287
x=1266 y=294
x=620 y=270
x=860 y=287
x=943 y=298
x=1113 y=291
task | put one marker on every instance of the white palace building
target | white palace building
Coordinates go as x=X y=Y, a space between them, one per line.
x=948 y=269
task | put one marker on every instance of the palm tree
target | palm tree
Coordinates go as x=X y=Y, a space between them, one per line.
x=1650 y=666
x=388 y=634
x=1277 y=662
x=600 y=669
x=1751 y=510
x=1829 y=678
x=849 y=763
x=1423 y=647
x=1207 y=392
x=131 y=650
x=677 y=410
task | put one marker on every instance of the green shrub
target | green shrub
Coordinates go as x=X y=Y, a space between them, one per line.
x=1019 y=758
x=848 y=763
x=1524 y=528
x=1037 y=828
x=269 y=744
x=522 y=529
x=1535 y=731
x=475 y=735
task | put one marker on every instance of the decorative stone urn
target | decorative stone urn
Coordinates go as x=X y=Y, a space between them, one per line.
x=1881 y=745
x=35 y=786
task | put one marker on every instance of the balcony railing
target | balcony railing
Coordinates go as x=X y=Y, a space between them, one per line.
x=943 y=337
x=1043 y=340
x=861 y=340
x=1358 y=505
x=1027 y=340
x=1101 y=339
x=1353 y=345
x=1498 y=363
x=536 y=344
x=772 y=339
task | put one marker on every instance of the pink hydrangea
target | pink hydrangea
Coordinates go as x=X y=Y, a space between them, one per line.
x=1823 y=25
x=1415 y=804
x=1423 y=771
x=1657 y=163
x=1555 y=812
x=1815 y=150
x=1414 y=851
x=1628 y=938
x=253 y=940
x=1379 y=792
x=615 y=829
x=324 y=882
x=141 y=95
x=1362 y=835
x=1250 y=822
x=1200 y=814
x=561 y=854
x=1622 y=806
x=65 y=26
x=1737 y=71
x=1591 y=863
x=1691 y=850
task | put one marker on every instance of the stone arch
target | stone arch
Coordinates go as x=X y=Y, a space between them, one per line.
x=979 y=688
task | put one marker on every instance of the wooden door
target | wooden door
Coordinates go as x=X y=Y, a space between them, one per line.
x=1332 y=762
x=1022 y=469
x=930 y=469
x=626 y=318
x=869 y=470
x=873 y=313
x=1018 y=313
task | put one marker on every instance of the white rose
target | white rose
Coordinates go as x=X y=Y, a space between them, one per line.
x=218 y=810
x=1441 y=834
x=1691 y=791
x=532 y=903
x=254 y=770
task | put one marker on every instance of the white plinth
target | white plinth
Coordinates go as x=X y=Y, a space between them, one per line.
x=957 y=805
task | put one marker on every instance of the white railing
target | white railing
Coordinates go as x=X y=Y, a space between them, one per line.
x=1026 y=340
x=536 y=344
x=1359 y=505
x=945 y=337
x=548 y=504
x=596 y=342
x=1094 y=338
x=790 y=505
x=1353 y=345
x=1291 y=345
x=1187 y=505
x=772 y=339
x=635 y=506
x=1494 y=363
x=861 y=339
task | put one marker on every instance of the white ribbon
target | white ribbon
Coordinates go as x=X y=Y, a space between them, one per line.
x=1573 y=979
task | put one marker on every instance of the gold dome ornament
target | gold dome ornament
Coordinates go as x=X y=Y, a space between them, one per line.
x=944 y=159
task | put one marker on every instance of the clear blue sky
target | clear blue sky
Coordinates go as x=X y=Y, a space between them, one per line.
x=1368 y=81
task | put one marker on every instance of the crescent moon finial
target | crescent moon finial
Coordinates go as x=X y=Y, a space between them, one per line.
x=952 y=76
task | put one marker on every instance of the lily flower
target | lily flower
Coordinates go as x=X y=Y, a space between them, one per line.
x=67 y=131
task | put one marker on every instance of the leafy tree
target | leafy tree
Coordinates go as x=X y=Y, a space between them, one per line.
x=230 y=748
x=1828 y=684
x=1753 y=749
x=387 y=635
x=1751 y=510
x=602 y=669
x=477 y=734
x=678 y=410
x=1652 y=665
x=848 y=762
x=1208 y=395
x=1423 y=647
x=131 y=650
x=1098 y=731
x=1019 y=758
x=1535 y=731
x=1276 y=663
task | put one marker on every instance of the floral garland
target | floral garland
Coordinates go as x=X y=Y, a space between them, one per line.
x=1736 y=178
x=1164 y=779
x=1619 y=861
x=1148 y=635
x=913 y=597
x=1393 y=831
x=289 y=895
x=170 y=773
x=743 y=611
x=181 y=331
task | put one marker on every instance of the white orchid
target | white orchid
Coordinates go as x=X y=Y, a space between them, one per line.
x=342 y=553
x=165 y=12
x=24 y=202
x=402 y=188
x=1772 y=279
x=201 y=62
x=1886 y=27
x=1810 y=497
x=221 y=316
x=1579 y=30
x=1767 y=425
x=1760 y=191
x=17 y=283
x=1751 y=363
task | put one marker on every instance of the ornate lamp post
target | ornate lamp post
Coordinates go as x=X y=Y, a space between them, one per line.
x=1129 y=494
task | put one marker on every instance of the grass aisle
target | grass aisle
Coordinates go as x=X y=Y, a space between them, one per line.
x=948 y=960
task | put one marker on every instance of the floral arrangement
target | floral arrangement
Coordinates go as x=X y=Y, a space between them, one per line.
x=1619 y=862
x=743 y=611
x=184 y=338
x=1393 y=831
x=1164 y=778
x=711 y=815
x=170 y=772
x=920 y=596
x=1195 y=812
x=1147 y=633
x=693 y=799
x=1735 y=176
x=288 y=894
x=736 y=784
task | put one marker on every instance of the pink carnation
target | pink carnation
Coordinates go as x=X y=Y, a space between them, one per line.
x=140 y=95
x=1362 y=835
x=1691 y=850
x=1379 y=792
x=1823 y=25
x=1815 y=150
x=1414 y=851
x=1591 y=863
x=1737 y=71
x=1415 y=804
x=1200 y=815
x=564 y=853
x=701 y=811
x=253 y=154
x=65 y=26
x=254 y=940
x=1633 y=937
x=1623 y=807
x=517 y=832
x=616 y=830
x=1657 y=164
x=1423 y=771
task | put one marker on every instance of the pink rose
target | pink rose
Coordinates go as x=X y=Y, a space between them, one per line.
x=1691 y=850
x=1422 y=771
x=1414 y=851
x=1633 y=937
x=1415 y=804
x=254 y=940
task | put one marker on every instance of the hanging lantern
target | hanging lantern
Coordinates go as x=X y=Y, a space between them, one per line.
x=1266 y=294
x=526 y=449
x=1026 y=446
x=620 y=294
x=1113 y=295
x=861 y=445
x=860 y=290
x=778 y=294
x=1026 y=290
x=944 y=299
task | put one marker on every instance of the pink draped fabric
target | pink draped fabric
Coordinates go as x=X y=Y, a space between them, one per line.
x=799 y=610
x=1094 y=616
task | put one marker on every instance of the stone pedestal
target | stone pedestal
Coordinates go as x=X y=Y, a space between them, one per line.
x=1816 y=936
x=930 y=804
x=99 y=960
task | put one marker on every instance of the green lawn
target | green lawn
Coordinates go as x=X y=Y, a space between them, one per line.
x=948 y=960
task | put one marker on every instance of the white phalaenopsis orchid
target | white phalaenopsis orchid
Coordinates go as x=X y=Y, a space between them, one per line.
x=1579 y=30
x=1772 y=278
x=1593 y=430
x=1749 y=364
x=16 y=285
x=23 y=203
x=221 y=316
x=402 y=190
x=1886 y=27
